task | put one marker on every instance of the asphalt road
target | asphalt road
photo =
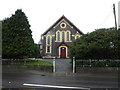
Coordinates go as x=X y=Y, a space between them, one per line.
x=84 y=80
x=63 y=79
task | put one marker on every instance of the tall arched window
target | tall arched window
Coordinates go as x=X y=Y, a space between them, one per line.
x=63 y=36
x=68 y=36
x=48 y=40
x=58 y=36
x=48 y=43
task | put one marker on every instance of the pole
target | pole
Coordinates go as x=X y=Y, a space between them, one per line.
x=54 y=64
x=114 y=12
x=73 y=64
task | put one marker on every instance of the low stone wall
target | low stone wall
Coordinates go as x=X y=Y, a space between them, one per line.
x=9 y=61
x=25 y=68
x=97 y=69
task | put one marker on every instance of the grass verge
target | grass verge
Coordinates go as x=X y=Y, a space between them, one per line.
x=44 y=63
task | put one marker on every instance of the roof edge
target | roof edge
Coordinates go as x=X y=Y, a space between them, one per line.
x=63 y=16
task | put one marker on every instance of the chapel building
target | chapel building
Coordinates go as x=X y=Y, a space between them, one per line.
x=57 y=40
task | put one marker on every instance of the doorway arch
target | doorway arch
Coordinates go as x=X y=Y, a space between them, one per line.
x=63 y=52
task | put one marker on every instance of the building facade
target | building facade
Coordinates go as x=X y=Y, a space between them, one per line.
x=57 y=40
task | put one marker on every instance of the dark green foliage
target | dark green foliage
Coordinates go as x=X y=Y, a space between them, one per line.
x=37 y=51
x=17 y=39
x=100 y=44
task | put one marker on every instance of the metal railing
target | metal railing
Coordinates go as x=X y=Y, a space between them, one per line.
x=97 y=63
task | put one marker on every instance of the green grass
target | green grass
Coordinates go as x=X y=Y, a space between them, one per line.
x=44 y=63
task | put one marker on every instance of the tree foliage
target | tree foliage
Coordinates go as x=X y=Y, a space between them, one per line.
x=17 y=39
x=99 y=44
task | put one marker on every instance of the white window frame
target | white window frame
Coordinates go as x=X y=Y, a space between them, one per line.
x=50 y=44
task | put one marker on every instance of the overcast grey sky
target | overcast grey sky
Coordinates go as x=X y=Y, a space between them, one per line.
x=87 y=15
x=119 y=14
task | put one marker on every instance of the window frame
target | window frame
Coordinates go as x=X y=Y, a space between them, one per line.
x=48 y=43
x=68 y=36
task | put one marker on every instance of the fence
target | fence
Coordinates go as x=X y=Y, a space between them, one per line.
x=97 y=66
x=98 y=63
x=10 y=65
x=11 y=61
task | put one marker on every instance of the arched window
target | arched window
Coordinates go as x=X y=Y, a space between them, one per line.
x=77 y=36
x=48 y=40
x=48 y=43
x=58 y=36
x=63 y=36
x=68 y=36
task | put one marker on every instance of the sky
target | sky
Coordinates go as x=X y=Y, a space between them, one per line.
x=119 y=14
x=87 y=15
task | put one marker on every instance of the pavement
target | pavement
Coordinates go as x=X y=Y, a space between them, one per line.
x=63 y=79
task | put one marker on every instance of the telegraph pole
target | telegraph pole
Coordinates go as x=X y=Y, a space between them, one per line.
x=114 y=12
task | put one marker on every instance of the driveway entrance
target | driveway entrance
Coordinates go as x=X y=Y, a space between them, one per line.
x=63 y=65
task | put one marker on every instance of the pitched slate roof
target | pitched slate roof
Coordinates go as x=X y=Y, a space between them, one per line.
x=63 y=17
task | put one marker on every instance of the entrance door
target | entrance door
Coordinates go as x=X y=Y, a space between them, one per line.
x=63 y=52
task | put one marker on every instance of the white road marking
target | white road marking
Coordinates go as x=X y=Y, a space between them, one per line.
x=52 y=86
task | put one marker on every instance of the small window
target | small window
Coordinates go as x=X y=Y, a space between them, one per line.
x=58 y=34
x=77 y=37
x=63 y=25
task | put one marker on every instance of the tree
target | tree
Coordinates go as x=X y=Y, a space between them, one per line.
x=100 y=44
x=17 y=39
x=37 y=51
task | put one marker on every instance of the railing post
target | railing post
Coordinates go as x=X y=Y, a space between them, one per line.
x=54 y=64
x=73 y=64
